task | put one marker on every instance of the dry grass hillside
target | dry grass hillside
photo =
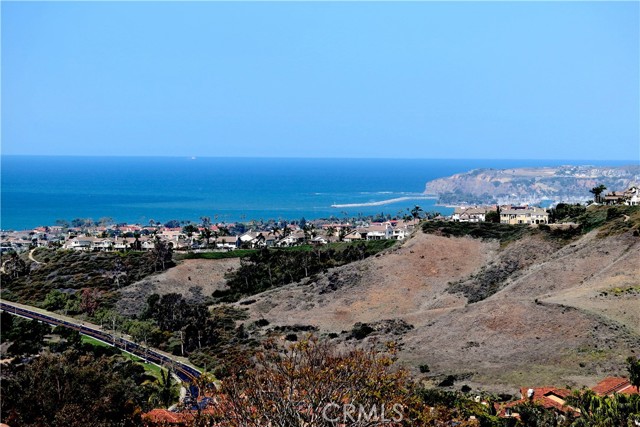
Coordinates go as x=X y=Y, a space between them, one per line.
x=556 y=313
x=194 y=279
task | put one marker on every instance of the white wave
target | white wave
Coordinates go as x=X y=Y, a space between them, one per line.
x=381 y=202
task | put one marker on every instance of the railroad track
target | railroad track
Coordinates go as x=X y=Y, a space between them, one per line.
x=186 y=373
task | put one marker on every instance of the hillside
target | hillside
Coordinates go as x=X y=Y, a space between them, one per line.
x=559 y=311
x=531 y=185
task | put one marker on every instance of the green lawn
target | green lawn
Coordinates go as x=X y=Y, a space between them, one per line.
x=94 y=342
x=149 y=367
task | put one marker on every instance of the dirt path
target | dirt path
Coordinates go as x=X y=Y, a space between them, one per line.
x=32 y=258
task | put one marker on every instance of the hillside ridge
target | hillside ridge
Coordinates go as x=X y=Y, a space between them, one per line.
x=531 y=185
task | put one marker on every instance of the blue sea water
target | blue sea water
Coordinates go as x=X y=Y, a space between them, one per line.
x=38 y=190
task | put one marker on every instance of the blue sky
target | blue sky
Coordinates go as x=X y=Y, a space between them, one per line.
x=432 y=80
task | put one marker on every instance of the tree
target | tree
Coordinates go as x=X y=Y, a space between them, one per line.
x=26 y=336
x=206 y=221
x=206 y=234
x=605 y=411
x=89 y=300
x=161 y=254
x=136 y=245
x=275 y=230
x=633 y=366
x=105 y=220
x=55 y=300
x=492 y=216
x=166 y=390
x=331 y=231
x=597 y=191
x=174 y=223
x=416 y=211
x=312 y=383
x=15 y=266
x=72 y=389
x=62 y=223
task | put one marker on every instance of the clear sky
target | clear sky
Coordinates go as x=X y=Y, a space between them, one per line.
x=330 y=79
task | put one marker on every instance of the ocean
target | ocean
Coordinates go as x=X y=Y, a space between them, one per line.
x=38 y=190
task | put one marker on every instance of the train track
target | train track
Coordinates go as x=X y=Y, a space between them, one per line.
x=187 y=374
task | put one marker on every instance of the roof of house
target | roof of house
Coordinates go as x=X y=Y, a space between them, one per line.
x=552 y=397
x=525 y=211
x=547 y=397
x=611 y=385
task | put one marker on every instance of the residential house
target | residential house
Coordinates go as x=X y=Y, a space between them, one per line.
x=614 y=198
x=379 y=232
x=120 y=244
x=249 y=239
x=147 y=244
x=548 y=397
x=102 y=244
x=228 y=242
x=403 y=228
x=555 y=398
x=79 y=243
x=632 y=196
x=611 y=385
x=524 y=215
x=292 y=239
x=357 y=234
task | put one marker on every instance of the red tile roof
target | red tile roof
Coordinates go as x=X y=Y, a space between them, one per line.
x=612 y=385
x=552 y=397
x=547 y=397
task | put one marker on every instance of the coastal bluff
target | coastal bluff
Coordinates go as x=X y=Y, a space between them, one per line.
x=530 y=184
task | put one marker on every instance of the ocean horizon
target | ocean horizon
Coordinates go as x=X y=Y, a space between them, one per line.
x=38 y=190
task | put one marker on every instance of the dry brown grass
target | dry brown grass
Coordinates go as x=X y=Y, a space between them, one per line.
x=548 y=324
x=194 y=279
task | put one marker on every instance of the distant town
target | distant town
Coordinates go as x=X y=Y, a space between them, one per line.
x=105 y=235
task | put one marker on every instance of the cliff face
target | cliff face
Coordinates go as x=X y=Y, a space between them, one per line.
x=531 y=185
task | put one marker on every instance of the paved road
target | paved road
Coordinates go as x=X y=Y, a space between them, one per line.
x=186 y=373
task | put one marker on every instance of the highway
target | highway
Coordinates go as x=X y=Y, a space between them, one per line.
x=187 y=374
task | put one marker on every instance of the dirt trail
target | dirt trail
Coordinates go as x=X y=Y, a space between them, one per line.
x=549 y=324
x=32 y=258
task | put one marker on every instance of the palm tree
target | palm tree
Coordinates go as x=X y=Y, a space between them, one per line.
x=603 y=411
x=285 y=230
x=166 y=390
x=206 y=235
x=597 y=191
x=206 y=221
x=223 y=230
x=331 y=231
x=415 y=212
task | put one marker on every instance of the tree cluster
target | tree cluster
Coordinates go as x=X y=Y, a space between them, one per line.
x=191 y=329
x=67 y=382
x=270 y=268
